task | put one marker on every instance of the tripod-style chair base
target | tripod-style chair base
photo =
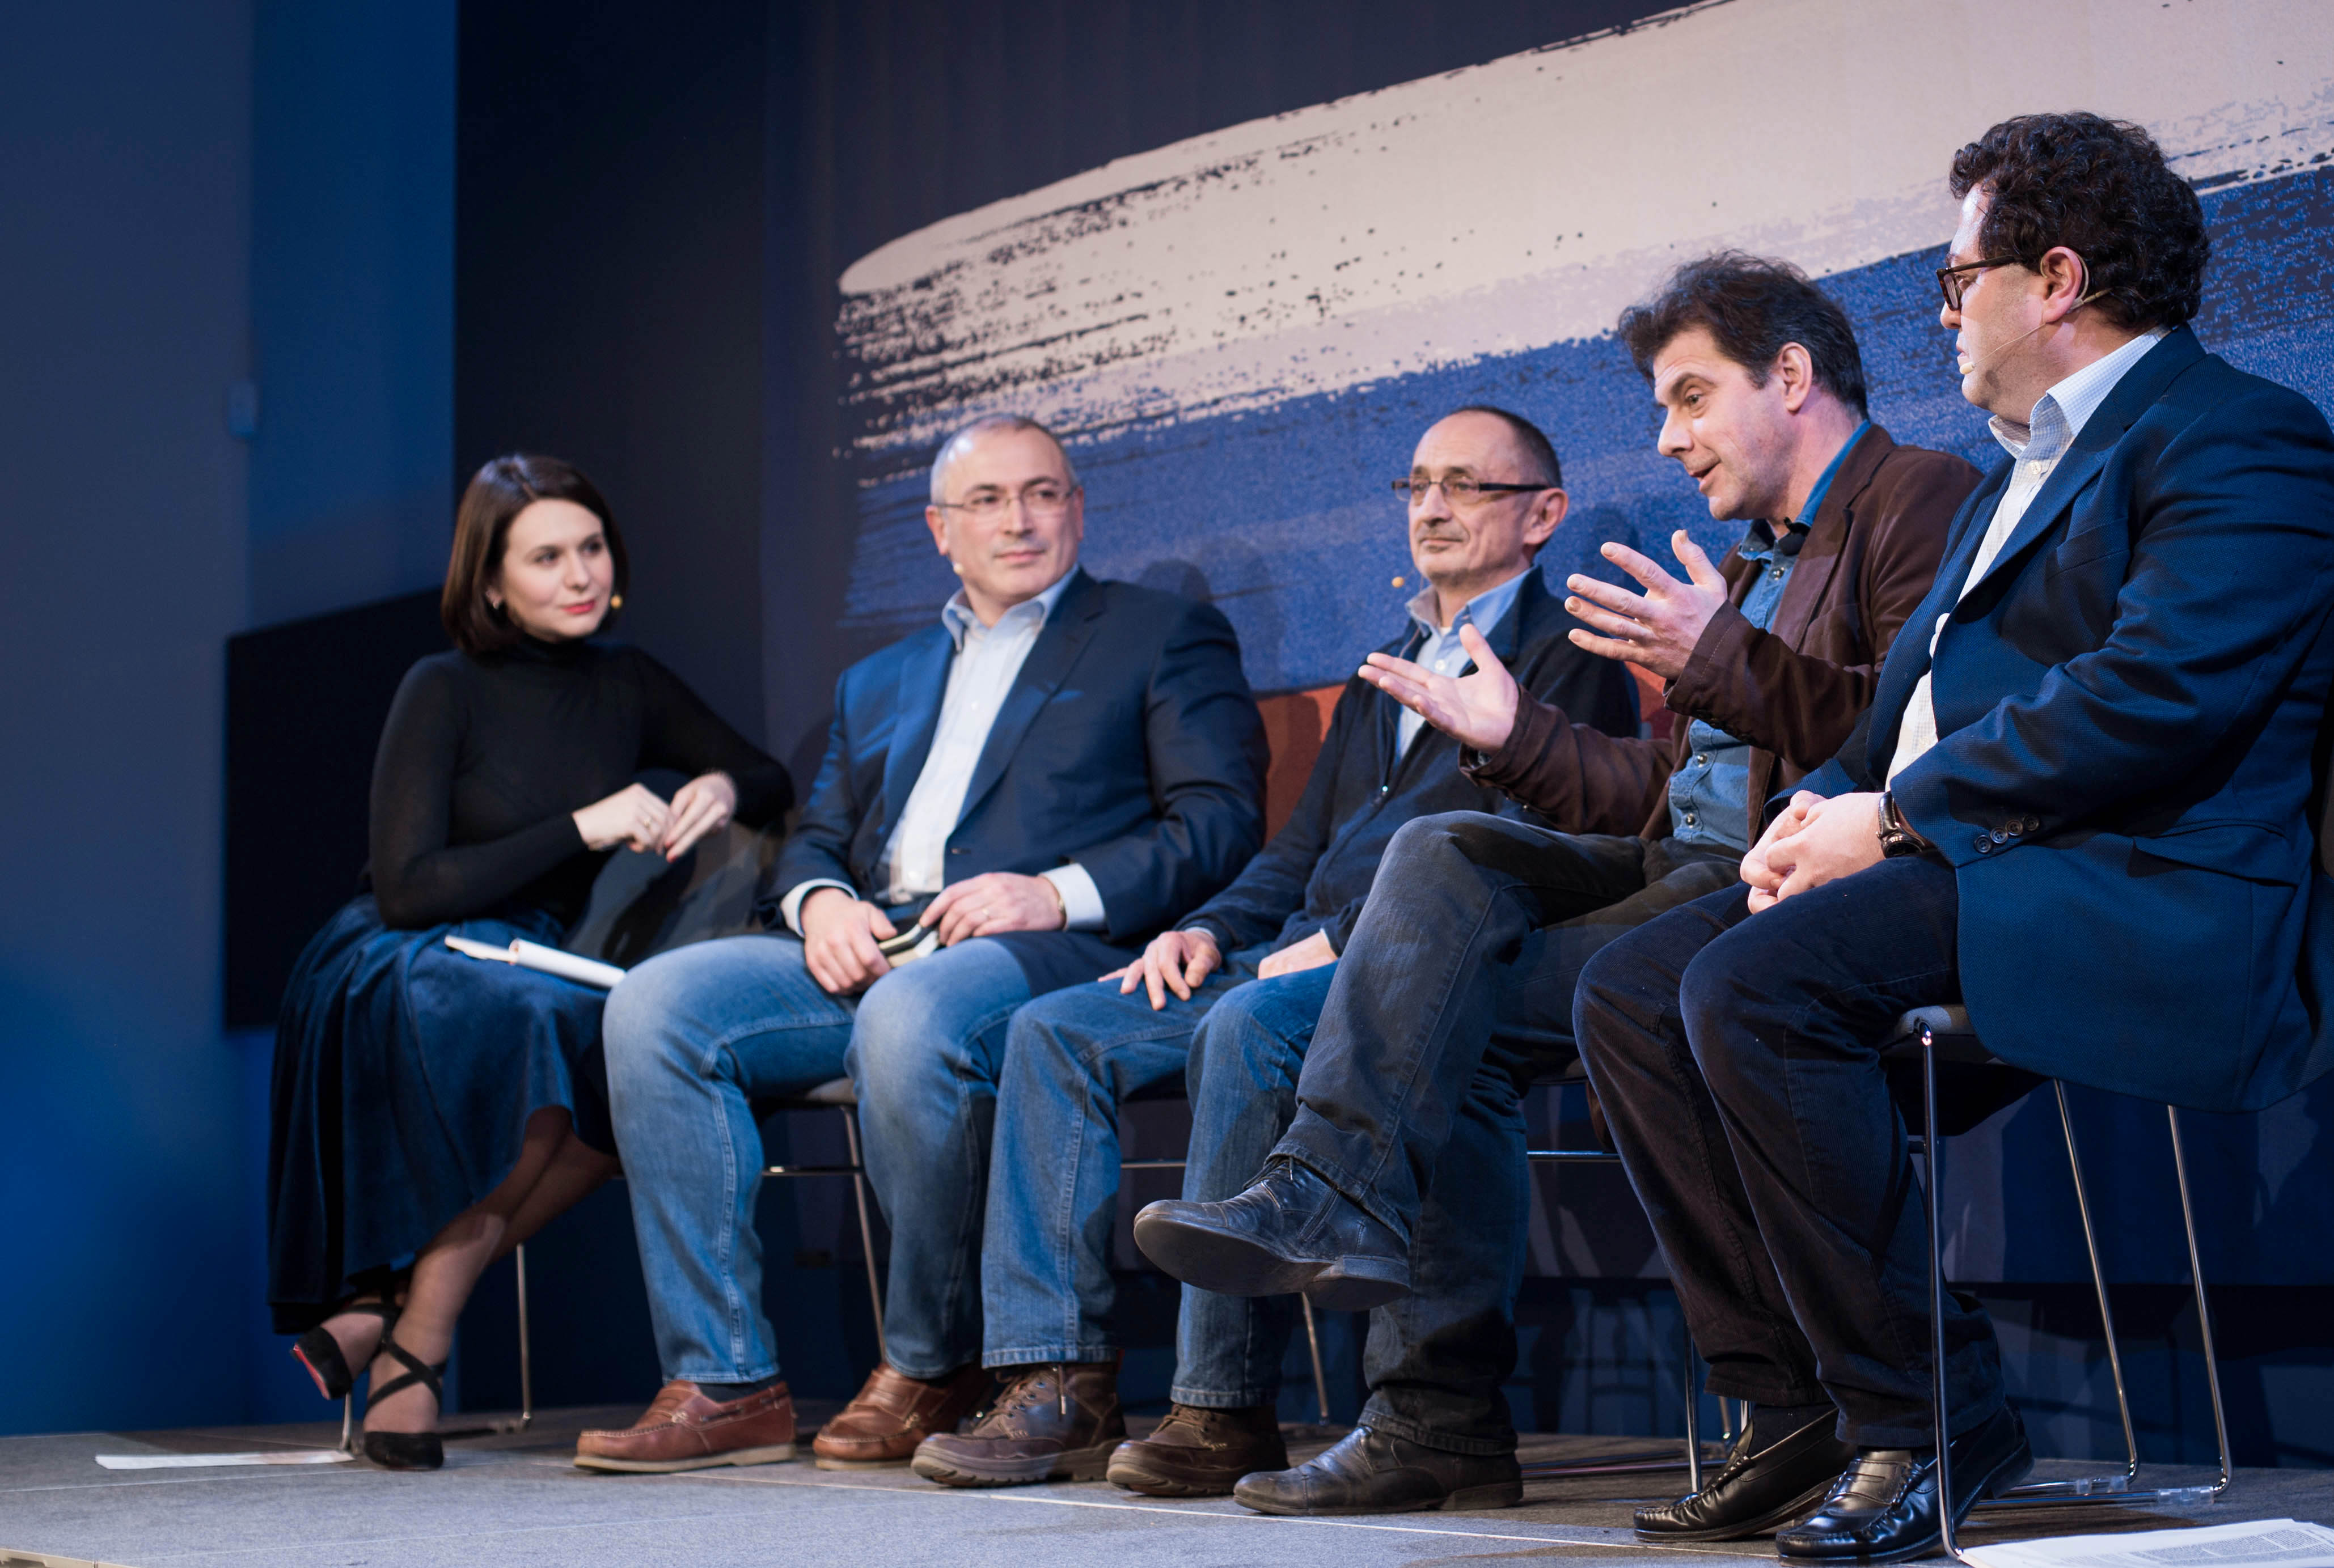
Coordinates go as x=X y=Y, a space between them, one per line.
x=1944 y=1033
x=834 y=1094
x=1689 y=1459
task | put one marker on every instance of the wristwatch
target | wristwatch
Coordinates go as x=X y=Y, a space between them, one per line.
x=1896 y=840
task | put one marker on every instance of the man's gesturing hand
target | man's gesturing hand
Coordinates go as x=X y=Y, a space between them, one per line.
x=994 y=902
x=1477 y=710
x=839 y=936
x=1175 y=961
x=1835 y=838
x=1658 y=628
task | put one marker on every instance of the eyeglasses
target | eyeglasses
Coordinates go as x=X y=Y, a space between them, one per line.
x=1950 y=279
x=1046 y=498
x=1459 y=491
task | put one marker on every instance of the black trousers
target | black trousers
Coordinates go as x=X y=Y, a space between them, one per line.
x=1738 y=1060
x=1464 y=961
x=1456 y=987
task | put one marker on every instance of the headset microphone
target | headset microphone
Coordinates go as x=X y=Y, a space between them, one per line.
x=2089 y=296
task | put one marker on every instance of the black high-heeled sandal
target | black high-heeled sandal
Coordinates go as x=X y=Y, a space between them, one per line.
x=406 y=1451
x=319 y=1352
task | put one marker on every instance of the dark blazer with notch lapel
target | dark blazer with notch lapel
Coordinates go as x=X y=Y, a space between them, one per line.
x=1128 y=742
x=2128 y=704
x=1315 y=873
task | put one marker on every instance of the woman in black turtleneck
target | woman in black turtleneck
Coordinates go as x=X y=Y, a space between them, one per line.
x=427 y=1105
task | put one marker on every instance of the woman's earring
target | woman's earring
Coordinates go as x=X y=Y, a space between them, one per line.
x=615 y=602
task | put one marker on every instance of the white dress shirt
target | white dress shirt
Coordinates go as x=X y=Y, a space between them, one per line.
x=1443 y=652
x=2059 y=417
x=914 y=864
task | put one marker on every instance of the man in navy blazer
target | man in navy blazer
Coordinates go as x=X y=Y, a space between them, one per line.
x=1012 y=800
x=2081 y=808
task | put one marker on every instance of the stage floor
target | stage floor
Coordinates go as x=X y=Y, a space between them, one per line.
x=516 y=1500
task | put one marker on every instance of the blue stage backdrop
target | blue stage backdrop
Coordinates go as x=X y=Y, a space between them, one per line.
x=1241 y=335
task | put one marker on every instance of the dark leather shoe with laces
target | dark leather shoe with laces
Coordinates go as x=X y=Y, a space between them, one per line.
x=1372 y=1472
x=1197 y=1453
x=1050 y=1423
x=1754 y=1494
x=1291 y=1232
x=1883 y=1506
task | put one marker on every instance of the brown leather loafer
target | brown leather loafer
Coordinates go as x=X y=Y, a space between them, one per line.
x=1051 y=1423
x=882 y=1425
x=685 y=1430
x=1197 y=1453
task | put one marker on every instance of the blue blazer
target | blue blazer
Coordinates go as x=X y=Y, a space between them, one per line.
x=2129 y=704
x=1128 y=742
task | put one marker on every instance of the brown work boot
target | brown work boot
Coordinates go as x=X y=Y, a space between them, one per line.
x=881 y=1427
x=1050 y=1423
x=685 y=1430
x=1197 y=1453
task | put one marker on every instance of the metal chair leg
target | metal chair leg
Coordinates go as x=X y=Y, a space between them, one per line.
x=1692 y=1364
x=348 y=1423
x=866 y=1226
x=1313 y=1342
x=1931 y=1204
x=2204 y=1312
x=526 y=1344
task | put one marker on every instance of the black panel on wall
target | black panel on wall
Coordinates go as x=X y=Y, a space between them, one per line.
x=305 y=702
x=608 y=259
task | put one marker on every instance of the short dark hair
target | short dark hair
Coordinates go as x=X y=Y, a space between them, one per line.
x=1538 y=450
x=2101 y=188
x=1752 y=306
x=500 y=491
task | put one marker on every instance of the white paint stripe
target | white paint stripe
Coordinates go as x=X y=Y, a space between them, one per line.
x=1526 y=201
x=200 y=1461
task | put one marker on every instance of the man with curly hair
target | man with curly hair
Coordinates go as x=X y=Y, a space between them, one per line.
x=2082 y=807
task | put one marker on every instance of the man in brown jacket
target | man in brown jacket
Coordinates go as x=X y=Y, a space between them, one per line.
x=1457 y=981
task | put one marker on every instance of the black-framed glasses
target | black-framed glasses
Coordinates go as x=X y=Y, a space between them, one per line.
x=1459 y=492
x=1951 y=280
x=1046 y=498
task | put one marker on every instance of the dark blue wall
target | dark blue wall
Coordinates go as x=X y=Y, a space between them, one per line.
x=190 y=198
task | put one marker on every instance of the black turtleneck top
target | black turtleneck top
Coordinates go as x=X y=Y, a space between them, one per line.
x=483 y=760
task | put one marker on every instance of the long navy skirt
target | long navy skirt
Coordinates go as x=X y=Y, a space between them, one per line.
x=405 y=1072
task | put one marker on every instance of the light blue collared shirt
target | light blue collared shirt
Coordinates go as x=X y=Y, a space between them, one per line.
x=1441 y=651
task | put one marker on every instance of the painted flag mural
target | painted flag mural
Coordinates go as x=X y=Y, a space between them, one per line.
x=1242 y=335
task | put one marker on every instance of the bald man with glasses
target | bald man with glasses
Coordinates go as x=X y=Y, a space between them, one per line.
x=1013 y=800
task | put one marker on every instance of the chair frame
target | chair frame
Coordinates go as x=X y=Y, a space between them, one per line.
x=836 y=1094
x=1627 y=1464
x=1930 y=1025
x=840 y=1095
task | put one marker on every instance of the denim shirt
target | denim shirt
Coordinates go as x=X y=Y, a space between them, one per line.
x=1710 y=794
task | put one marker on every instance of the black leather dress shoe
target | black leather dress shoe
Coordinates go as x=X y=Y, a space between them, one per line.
x=1291 y=1232
x=1755 y=1493
x=1373 y=1472
x=1883 y=1506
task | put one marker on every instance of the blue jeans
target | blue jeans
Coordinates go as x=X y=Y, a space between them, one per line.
x=1434 y=1362
x=695 y=1035
x=1076 y=1054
